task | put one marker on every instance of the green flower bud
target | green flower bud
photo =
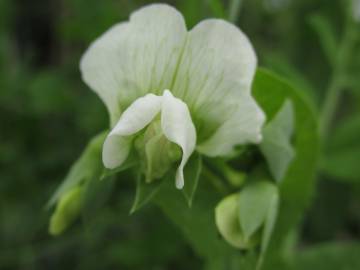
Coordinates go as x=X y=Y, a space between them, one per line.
x=227 y=222
x=243 y=217
x=67 y=209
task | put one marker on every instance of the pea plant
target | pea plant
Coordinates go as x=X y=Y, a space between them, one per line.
x=227 y=148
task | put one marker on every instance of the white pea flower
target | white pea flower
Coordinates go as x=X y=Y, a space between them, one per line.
x=167 y=88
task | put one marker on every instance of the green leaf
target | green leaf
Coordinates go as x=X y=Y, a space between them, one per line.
x=89 y=165
x=329 y=256
x=192 y=173
x=296 y=189
x=327 y=38
x=145 y=191
x=276 y=146
x=282 y=65
x=254 y=204
x=66 y=210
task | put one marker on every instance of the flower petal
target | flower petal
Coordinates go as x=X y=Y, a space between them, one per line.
x=178 y=128
x=135 y=58
x=217 y=68
x=100 y=67
x=115 y=151
x=244 y=126
x=136 y=117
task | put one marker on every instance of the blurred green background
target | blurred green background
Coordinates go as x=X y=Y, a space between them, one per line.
x=47 y=116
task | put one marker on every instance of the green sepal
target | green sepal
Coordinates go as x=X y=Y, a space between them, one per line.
x=192 y=172
x=89 y=165
x=156 y=153
x=144 y=192
x=254 y=202
x=269 y=226
x=276 y=144
x=258 y=208
x=96 y=194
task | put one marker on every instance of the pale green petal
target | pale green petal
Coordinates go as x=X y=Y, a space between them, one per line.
x=244 y=126
x=276 y=145
x=178 y=128
x=135 y=58
x=226 y=219
x=216 y=70
x=210 y=68
x=101 y=67
x=136 y=117
x=115 y=151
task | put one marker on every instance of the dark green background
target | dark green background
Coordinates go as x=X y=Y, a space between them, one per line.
x=47 y=116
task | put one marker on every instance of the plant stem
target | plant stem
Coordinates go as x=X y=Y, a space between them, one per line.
x=336 y=84
x=234 y=10
x=215 y=180
x=330 y=104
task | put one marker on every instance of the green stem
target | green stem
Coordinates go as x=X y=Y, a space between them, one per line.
x=215 y=180
x=330 y=104
x=233 y=177
x=336 y=84
x=234 y=10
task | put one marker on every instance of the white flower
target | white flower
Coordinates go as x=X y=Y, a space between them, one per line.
x=196 y=84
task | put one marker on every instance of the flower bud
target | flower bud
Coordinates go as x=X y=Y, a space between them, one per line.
x=67 y=209
x=227 y=222
x=243 y=217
